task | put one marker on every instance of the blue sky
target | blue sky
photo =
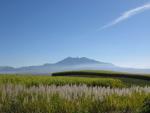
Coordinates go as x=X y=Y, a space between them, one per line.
x=34 y=32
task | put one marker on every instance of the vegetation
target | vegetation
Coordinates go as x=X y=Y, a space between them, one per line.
x=95 y=73
x=50 y=94
x=146 y=106
x=71 y=99
x=59 y=81
x=129 y=82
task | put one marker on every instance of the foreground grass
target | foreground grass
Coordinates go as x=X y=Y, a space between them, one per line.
x=46 y=94
x=71 y=99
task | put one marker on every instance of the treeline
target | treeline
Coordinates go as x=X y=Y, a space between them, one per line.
x=102 y=74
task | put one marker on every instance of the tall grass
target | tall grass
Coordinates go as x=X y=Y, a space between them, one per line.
x=71 y=99
x=46 y=94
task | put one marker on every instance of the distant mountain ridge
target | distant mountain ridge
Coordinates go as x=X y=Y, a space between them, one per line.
x=8 y=68
x=78 y=61
x=70 y=63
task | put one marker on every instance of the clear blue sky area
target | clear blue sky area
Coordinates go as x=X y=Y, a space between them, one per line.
x=34 y=32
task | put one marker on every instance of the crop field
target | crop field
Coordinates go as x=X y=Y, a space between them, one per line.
x=50 y=94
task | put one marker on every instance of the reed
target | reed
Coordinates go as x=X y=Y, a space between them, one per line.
x=71 y=99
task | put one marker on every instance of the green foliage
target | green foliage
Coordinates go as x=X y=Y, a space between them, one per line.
x=134 y=82
x=46 y=94
x=101 y=73
x=36 y=80
x=146 y=106
x=59 y=81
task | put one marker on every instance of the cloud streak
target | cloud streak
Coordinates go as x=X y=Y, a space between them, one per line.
x=127 y=15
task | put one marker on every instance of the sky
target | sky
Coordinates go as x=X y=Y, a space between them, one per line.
x=34 y=32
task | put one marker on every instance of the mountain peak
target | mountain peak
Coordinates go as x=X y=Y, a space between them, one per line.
x=78 y=61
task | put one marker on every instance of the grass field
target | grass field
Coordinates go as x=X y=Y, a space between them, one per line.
x=59 y=81
x=102 y=73
x=60 y=94
x=127 y=79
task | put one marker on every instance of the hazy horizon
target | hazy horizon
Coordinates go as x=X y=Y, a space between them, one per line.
x=20 y=66
x=35 y=32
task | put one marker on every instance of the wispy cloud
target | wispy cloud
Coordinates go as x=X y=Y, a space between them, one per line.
x=127 y=15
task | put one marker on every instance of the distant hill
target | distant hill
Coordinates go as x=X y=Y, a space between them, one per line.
x=80 y=61
x=6 y=68
x=70 y=63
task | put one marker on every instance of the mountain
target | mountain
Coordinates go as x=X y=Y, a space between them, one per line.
x=79 y=61
x=6 y=68
x=70 y=63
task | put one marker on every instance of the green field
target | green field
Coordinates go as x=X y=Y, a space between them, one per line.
x=61 y=94
x=59 y=81
x=127 y=79
x=35 y=80
x=103 y=73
